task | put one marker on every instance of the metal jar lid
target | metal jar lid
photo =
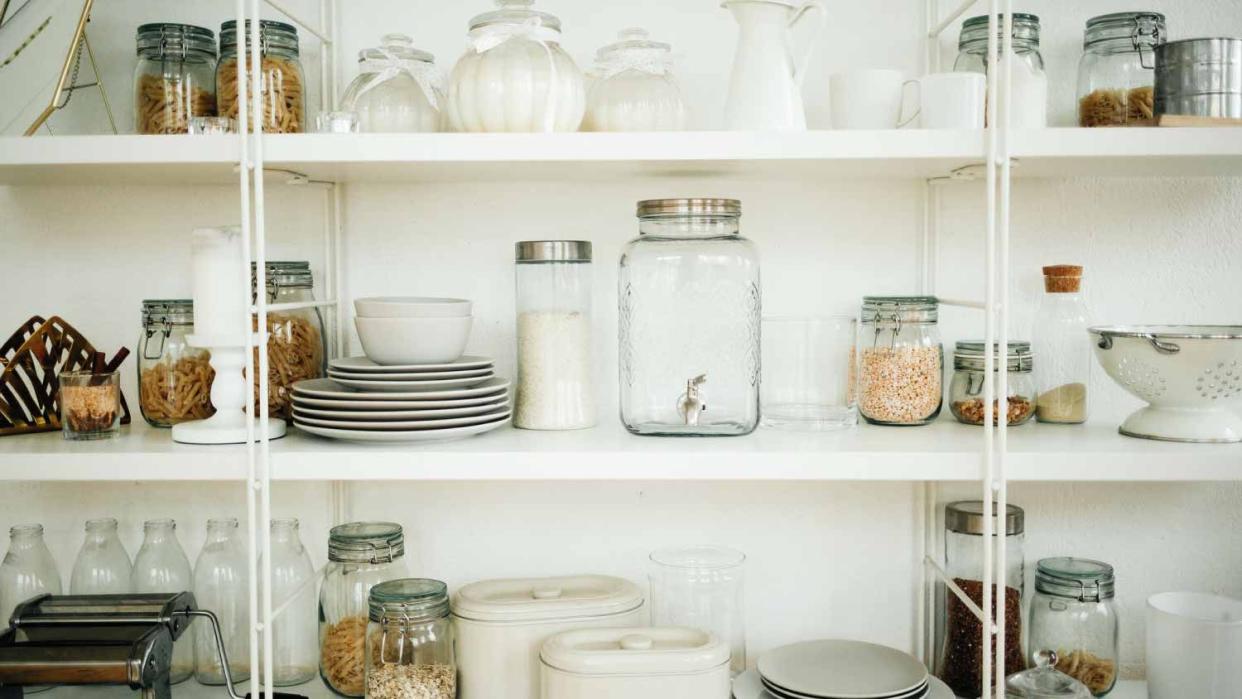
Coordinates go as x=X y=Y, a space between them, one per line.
x=900 y=309
x=175 y=41
x=1145 y=30
x=167 y=312
x=1081 y=579
x=536 y=251
x=408 y=600
x=366 y=542
x=650 y=208
x=272 y=35
x=969 y=354
x=975 y=31
x=284 y=274
x=966 y=517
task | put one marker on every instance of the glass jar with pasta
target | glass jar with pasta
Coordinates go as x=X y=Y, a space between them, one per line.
x=175 y=79
x=174 y=379
x=295 y=343
x=283 y=92
x=1117 y=76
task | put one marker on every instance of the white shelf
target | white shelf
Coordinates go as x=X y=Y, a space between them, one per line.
x=945 y=451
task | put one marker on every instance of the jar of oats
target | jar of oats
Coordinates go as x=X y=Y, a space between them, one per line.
x=900 y=360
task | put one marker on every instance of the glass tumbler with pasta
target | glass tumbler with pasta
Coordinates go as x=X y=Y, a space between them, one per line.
x=283 y=85
x=360 y=556
x=295 y=343
x=174 y=378
x=175 y=78
x=1117 y=72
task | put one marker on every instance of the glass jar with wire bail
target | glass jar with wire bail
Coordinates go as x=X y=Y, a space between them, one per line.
x=966 y=399
x=410 y=641
x=175 y=79
x=296 y=345
x=1117 y=71
x=900 y=360
x=1029 y=91
x=174 y=378
x=1073 y=615
x=360 y=556
x=283 y=84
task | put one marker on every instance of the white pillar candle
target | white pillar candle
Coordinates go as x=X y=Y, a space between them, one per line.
x=221 y=291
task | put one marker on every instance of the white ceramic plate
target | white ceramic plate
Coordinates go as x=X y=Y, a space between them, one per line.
x=920 y=692
x=842 y=669
x=301 y=401
x=387 y=415
x=402 y=436
x=421 y=376
x=748 y=685
x=385 y=386
x=329 y=388
x=389 y=426
x=362 y=365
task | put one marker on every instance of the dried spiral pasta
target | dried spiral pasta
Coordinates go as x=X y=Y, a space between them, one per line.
x=282 y=91
x=1120 y=107
x=294 y=353
x=172 y=392
x=342 y=657
x=165 y=104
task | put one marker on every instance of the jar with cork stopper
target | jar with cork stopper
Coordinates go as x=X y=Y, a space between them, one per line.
x=1061 y=339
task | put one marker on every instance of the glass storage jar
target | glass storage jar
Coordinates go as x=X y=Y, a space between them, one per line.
x=1064 y=346
x=410 y=641
x=1117 y=72
x=556 y=380
x=397 y=89
x=900 y=360
x=634 y=89
x=360 y=555
x=1073 y=615
x=296 y=343
x=701 y=587
x=966 y=391
x=515 y=76
x=690 y=307
x=1029 y=92
x=175 y=79
x=174 y=378
x=961 y=650
x=283 y=84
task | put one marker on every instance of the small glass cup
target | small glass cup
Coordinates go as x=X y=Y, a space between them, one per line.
x=701 y=587
x=337 y=122
x=808 y=373
x=211 y=125
x=90 y=404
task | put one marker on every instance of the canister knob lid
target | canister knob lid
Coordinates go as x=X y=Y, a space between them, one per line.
x=547 y=593
x=636 y=641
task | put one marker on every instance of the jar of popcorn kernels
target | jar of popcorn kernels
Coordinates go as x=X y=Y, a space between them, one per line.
x=900 y=360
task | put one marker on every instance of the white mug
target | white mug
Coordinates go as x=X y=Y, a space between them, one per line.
x=866 y=99
x=1194 y=642
x=952 y=100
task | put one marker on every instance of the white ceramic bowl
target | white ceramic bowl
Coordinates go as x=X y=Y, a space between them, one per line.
x=1190 y=376
x=413 y=340
x=1194 y=641
x=411 y=307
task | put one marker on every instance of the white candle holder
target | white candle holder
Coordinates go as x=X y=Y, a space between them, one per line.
x=229 y=392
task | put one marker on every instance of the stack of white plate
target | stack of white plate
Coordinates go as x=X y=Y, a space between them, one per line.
x=838 y=669
x=364 y=401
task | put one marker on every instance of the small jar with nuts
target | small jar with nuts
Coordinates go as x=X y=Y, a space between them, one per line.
x=966 y=395
x=900 y=360
x=410 y=641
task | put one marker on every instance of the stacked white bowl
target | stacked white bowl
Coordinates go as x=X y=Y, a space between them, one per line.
x=413 y=329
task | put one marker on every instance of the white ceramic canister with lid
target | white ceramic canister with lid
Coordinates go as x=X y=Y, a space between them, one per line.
x=502 y=624
x=665 y=662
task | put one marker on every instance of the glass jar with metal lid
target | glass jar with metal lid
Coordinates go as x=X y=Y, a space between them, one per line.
x=174 y=378
x=634 y=88
x=360 y=556
x=961 y=649
x=966 y=391
x=296 y=343
x=900 y=360
x=283 y=82
x=410 y=641
x=1073 y=615
x=398 y=88
x=1117 y=72
x=1029 y=95
x=689 y=312
x=175 y=78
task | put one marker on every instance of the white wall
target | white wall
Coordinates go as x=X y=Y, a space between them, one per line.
x=825 y=559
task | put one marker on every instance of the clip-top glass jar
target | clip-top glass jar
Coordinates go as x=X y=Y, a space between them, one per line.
x=634 y=88
x=296 y=344
x=174 y=378
x=410 y=641
x=1073 y=615
x=690 y=308
x=1028 y=98
x=283 y=83
x=900 y=360
x=360 y=555
x=966 y=392
x=1117 y=72
x=175 y=79
x=397 y=89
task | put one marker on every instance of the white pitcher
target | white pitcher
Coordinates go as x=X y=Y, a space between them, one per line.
x=765 y=91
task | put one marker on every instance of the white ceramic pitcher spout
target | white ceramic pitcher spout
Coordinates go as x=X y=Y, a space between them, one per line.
x=765 y=89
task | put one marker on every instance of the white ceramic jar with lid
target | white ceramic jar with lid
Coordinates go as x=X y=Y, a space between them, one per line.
x=398 y=89
x=635 y=663
x=502 y=624
x=634 y=89
x=515 y=76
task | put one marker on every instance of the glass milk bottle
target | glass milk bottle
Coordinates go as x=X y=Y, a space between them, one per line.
x=295 y=637
x=161 y=566
x=28 y=569
x=102 y=566
x=221 y=585
x=1061 y=340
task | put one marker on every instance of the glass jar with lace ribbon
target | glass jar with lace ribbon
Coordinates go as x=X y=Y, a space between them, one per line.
x=634 y=88
x=398 y=88
x=515 y=76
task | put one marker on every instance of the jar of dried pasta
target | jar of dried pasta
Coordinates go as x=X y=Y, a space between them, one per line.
x=1116 y=75
x=283 y=94
x=174 y=379
x=1074 y=615
x=295 y=342
x=900 y=360
x=175 y=79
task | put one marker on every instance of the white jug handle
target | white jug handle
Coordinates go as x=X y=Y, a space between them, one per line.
x=810 y=6
x=918 y=103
